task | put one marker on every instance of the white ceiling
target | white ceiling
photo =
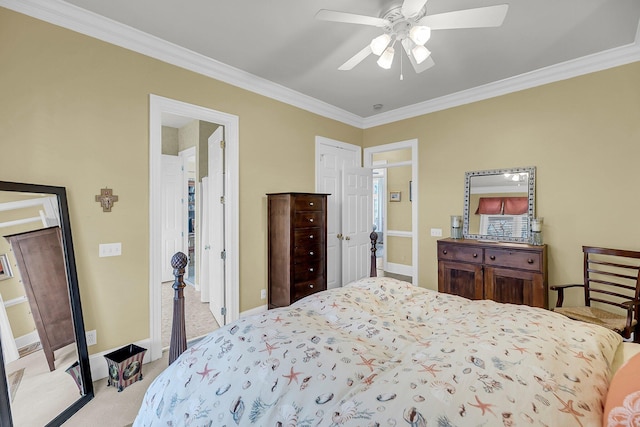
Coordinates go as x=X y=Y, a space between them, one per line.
x=281 y=42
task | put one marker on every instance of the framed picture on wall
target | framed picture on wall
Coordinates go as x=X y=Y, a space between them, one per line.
x=394 y=196
x=5 y=267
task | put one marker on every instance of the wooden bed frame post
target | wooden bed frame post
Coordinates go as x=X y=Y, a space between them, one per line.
x=374 y=239
x=178 y=334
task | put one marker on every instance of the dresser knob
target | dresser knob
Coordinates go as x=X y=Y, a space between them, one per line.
x=310 y=203
x=493 y=257
x=310 y=219
x=311 y=270
x=311 y=253
x=311 y=236
x=444 y=252
x=475 y=255
x=311 y=285
x=530 y=261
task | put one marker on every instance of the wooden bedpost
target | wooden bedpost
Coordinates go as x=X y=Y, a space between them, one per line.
x=374 y=239
x=178 y=334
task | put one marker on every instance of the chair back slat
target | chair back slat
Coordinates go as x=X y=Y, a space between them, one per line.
x=611 y=274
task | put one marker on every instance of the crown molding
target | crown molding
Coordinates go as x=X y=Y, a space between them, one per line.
x=91 y=24
x=566 y=70
x=69 y=16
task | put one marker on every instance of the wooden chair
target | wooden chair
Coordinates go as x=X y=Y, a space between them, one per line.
x=612 y=281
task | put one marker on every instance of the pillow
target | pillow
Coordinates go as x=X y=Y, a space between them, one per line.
x=622 y=407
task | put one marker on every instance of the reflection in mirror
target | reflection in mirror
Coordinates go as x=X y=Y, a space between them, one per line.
x=45 y=358
x=499 y=204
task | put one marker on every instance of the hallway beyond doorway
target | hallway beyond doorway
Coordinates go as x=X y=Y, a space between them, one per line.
x=198 y=319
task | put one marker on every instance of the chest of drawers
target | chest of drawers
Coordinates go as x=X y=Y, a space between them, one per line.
x=504 y=272
x=297 y=245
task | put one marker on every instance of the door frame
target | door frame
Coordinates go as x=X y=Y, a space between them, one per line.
x=157 y=106
x=369 y=163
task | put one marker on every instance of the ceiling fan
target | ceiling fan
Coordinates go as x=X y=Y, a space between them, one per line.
x=410 y=26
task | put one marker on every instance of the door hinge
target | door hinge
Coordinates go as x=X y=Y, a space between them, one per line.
x=223 y=255
x=222 y=199
x=222 y=144
x=223 y=311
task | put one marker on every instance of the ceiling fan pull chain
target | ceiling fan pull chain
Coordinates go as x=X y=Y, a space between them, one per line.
x=401 y=76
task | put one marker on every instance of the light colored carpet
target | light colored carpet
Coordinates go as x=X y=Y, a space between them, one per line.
x=198 y=319
x=110 y=408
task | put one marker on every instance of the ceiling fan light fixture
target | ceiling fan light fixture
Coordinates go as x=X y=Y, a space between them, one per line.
x=386 y=59
x=420 y=53
x=379 y=44
x=420 y=34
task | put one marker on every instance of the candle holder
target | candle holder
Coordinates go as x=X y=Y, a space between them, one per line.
x=456 y=226
x=536 y=231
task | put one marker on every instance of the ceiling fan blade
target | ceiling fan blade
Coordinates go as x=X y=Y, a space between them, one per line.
x=424 y=65
x=356 y=59
x=490 y=16
x=350 y=18
x=411 y=7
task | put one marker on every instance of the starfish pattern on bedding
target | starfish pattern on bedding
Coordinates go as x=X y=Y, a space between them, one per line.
x=269 y=348
x=292 y=376
x=483 y=406
x=568 y=408
x=205 y=372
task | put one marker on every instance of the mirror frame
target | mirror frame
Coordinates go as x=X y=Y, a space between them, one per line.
x=531 y=189
x=76 y=309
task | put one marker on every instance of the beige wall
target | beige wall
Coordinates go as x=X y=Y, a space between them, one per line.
x=582 y=134
x=79 y=118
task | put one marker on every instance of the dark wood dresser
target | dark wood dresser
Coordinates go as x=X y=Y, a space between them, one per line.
x=513 y=273
x=297 y=236
x=42 y=266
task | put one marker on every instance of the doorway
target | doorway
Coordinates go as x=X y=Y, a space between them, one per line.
x=396 y=206
x=158 y=107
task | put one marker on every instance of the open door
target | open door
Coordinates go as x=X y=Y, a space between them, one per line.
x=357 y=220
x=215 y=251
x=172 y=225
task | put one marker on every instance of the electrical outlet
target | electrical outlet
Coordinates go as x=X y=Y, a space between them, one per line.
x=263 y=294
x=92 y=337
x=436 y=232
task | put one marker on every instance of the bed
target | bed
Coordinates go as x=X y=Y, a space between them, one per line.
x=381 y=352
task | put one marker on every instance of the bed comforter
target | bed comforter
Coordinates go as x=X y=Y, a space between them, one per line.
x=380 y=352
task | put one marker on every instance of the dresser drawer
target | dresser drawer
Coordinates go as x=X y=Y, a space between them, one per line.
x=307 y=203
x=310 y=250
x=460 y=253
x=310 y=269
x=308 y=219
x=519 y=259
x=307 y=287
x=307 y=237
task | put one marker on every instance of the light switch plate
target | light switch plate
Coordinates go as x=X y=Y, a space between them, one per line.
x=436 y=232
x=110 y=249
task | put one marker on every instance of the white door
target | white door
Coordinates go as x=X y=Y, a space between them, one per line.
x=216 y=226
x=172 y=226
x=357 y=219
x=332 y=157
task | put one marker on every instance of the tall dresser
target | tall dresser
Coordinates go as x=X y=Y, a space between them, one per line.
x=297 y=235
x=42 y=266
x=504 y=272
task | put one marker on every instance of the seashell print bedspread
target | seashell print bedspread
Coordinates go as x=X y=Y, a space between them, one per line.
x=381 y=352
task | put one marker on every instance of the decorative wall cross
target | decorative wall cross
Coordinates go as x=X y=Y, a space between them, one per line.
x=106 y=199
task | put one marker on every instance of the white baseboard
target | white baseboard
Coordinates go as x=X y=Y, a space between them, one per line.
x=28 y=339
x=405 y=270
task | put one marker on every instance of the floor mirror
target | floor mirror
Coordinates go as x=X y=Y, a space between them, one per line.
x=44 y=361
